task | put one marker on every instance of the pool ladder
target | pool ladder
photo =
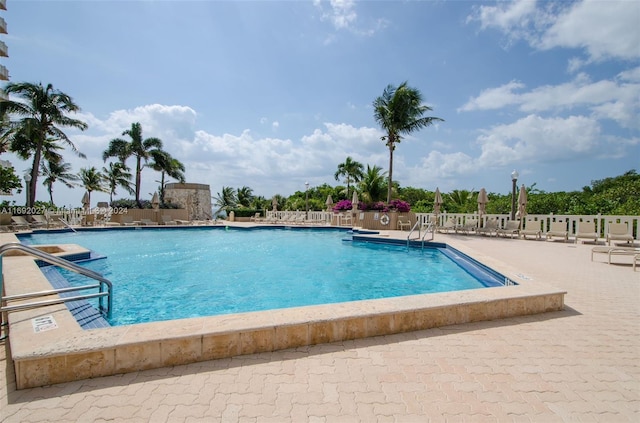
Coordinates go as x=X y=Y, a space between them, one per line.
x=104 y=286
x=430 y=229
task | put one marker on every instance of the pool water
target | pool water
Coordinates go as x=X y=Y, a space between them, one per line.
x=179 y=273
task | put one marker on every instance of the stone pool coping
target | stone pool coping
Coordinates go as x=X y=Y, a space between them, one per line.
x=69 y=353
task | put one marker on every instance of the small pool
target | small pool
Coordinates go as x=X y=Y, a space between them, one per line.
x=167 y=274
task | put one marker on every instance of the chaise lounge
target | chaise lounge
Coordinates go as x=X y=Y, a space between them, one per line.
x=619 y=232
x=586 y=230
x=558 y=230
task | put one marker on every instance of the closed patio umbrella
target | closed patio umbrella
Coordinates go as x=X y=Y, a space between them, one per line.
x=354 y=201
x=274 y=204
x=437 y=203
x=85 y=201
x=155 y=201
x=329 y=203
x=522 y=204
x=483 y=199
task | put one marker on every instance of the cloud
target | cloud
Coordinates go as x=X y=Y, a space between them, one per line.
x=617 y=99
x=343 y=16
x=602 y=29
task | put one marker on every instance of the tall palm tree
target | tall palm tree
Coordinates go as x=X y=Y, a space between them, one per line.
x=54 y=171
x=373 y=184
x=167 y=165
x=41 y=113
x=400 y=111
x=352 y=172
x=117 y=175
x=244 y=196
x=138 y=147
x=226 y=199
x=92 y=180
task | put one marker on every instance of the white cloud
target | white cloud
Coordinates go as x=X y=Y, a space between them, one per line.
x=536 y=139
x=603 y=29
x=343 y=16
x=617 y=99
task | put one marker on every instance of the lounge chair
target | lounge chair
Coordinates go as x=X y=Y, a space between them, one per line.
x=38 y=221
x=19 y=222
x=632 y=252
x=619 y=232
x=167 y=220
x=490 y=228
x=147 y=222
x=127 y=221
x=449 y=225
x=404 y=222
x=586 y=230
x=470 y=224
x=512 y=227
x=559 y=230
x=532 y=228
x=256 y=218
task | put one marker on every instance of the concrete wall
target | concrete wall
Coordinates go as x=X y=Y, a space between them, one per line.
x=195 y=198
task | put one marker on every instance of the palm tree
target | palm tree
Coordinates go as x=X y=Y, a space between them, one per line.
x=54 y=171
x=117 y=175
x=244 y=196
x=461 y=200
x=352 y=172
x=373 y=184
x=42 y=112
x=141 y=149
x=92 y=180
x=226 y=199
x=164 y=163
x=400 y=111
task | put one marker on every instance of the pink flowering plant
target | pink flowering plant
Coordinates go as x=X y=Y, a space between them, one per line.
x=343 y=205
x=399 y=205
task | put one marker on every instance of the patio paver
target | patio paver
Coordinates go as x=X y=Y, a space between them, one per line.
x=579 y=364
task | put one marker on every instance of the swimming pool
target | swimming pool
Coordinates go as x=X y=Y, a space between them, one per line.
x=180 y=273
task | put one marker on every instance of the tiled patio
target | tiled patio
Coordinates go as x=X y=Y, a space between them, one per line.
x=580 y=364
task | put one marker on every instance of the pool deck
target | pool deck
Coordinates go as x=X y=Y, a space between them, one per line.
x=578 y=364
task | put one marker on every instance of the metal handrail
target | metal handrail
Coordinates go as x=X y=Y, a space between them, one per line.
x=65 y=223
x=65 y=264
x=418 y=226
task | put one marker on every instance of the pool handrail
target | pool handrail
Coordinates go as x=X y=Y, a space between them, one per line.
x=105 y=287
x=418 y=226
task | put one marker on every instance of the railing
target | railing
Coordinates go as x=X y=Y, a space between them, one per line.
x=105 y=288
x=601 y=222
x=419 y=226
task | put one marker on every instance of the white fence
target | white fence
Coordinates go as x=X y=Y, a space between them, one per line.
x=601 y=221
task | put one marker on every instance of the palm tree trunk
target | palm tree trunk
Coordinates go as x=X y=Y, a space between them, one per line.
x=391 y=148
x=34 y=177
x=138 y=178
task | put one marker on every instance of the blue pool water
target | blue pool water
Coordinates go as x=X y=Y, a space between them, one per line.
x=179 y=273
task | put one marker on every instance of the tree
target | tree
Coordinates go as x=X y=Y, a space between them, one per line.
x=8 y=179
x=141 y=149
x=244 y=196
x=373 y=184
x=352 y=172
x=400 y=111
x=54 y=171
x=226 y=199
x=167 y=165
x=92 y=180
x=41 y=114
x=117 y=175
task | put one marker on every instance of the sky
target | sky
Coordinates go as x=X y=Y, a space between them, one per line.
x=274 y=94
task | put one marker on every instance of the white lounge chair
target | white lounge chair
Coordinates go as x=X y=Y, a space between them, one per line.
x=19 y=222
x=618 y=232
x=490 y=228
x=449 y=225
x=531 y=228
x=586 y=230
x=167 y=220
x=470 y=225
x=558 y=230
x=512 y=227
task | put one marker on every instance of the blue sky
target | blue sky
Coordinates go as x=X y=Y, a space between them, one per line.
x=272 y=94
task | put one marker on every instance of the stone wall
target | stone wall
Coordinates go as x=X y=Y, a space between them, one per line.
x=195 y=198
